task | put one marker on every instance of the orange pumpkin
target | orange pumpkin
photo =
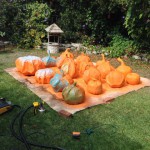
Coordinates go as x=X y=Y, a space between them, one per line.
x=69 y=67
x=92 y=72
x=133 y=78
x=82 y=58
x=43 y=76
x=94 y=86
x=115 y=79
x=123 y=68
x=28 y=65
x=67 y=53
x=64 y=57
x=104 y=67
x=84 y=66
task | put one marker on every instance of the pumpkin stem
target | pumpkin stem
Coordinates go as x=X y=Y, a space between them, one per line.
x=68 y=49
x=121 y=61
x=103 y=57
x=93 y=79
x=75 y=83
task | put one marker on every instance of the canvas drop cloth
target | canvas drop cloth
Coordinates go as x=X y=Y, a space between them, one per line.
x=55 y=101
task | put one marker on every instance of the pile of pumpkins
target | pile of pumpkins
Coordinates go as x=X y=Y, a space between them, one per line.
x=60 y=73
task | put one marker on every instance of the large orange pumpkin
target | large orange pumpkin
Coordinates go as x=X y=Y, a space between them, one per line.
x=69 y=68
x=43 y=76
x=92 y=72
x=133 y=78
x=82 y=58
x=82 y=67
x=28 y=65
x=123 y=68
x=67 y=53
x=104 y=67
x=115 y=79
x=64 y=57
x=94 y=86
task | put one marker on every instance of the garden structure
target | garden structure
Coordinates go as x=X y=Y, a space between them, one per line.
x=53 y=35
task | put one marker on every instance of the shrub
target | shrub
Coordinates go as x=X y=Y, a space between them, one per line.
x=36 y=15
x=120 y=46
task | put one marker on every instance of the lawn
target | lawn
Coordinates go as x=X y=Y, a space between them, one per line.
x=120 y=125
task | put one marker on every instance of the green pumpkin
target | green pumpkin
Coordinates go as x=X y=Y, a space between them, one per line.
x=73 y=94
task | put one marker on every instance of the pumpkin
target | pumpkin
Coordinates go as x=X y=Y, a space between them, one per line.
x=73 y=94
x=123 y=68
x=82 y=58
x=82 y=67
x=58 y=82
x=49 y=61
x=133 y=78
x=69 y=67
x=28 y=65
x=43 y=76
x=92 y=72
x=115 y=79
x=104 y=67
x=67 y=53
x=94 y=86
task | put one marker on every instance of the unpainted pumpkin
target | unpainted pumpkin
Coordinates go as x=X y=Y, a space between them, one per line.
x=115 y=79
x=94 y=86
x=133 y=78
x=28 y=65
x=43 y=76
x=123 y=68
x=92 y=72
x=73 y=94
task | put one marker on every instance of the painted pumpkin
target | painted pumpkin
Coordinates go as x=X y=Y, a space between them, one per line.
x=73 y=94
x=133 y=78
x=123 y=68
x=69 y=68
x=82 y=67
x=58 y=82
x=28 y=65
x=67 y=53
x=43 y=76
x=49 y=61
x=82 y=58
x=115 y=79
x=92 y=72
x=104 y=67
x=94 y=87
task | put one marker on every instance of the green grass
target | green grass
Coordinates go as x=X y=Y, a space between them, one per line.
x=121 y=125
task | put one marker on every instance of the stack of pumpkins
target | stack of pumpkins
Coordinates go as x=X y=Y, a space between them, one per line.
x=94 y=75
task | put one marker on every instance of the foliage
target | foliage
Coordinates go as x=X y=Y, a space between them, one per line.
x=137 y=21
x=36 y=15
x=120 y=46
x=12 y=20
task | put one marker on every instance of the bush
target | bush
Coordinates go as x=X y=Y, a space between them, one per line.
x=120 y=46
x=35 y=24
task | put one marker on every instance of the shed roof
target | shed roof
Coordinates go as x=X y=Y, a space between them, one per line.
x=53 y=28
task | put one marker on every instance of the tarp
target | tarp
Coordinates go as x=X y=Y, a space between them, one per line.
x=55 y=101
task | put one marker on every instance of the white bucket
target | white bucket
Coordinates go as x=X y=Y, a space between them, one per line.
x=53 y=48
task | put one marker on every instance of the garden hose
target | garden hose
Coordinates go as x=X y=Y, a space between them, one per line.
x=21 y=137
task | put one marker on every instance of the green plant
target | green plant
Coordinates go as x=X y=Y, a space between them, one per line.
x=34 y=26
x=120 y=46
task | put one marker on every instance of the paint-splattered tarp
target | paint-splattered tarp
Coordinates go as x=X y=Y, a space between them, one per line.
x=55 y=101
